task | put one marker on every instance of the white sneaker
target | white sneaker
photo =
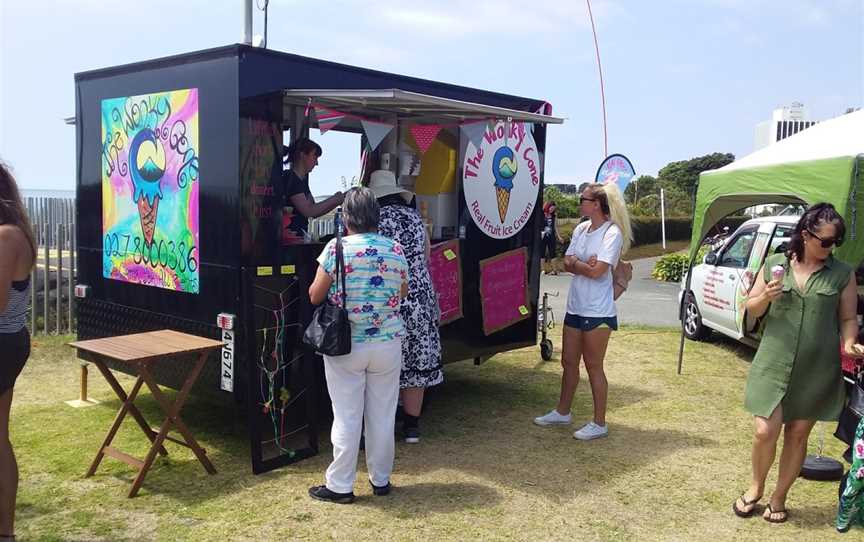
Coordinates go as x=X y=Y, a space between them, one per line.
x=590 y=431
x=553 y=418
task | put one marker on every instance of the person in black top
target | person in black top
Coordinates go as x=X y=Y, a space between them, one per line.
x=550 y=235
x=299 y=204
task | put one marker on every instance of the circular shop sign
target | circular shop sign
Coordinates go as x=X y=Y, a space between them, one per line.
x=501 y=179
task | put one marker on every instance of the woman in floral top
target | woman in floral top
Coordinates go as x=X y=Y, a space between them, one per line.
x=363 y=385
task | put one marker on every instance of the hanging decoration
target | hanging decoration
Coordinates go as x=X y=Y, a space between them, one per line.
x=327 y=118
x=375 y=132
x=424 y=135
x=474 y=131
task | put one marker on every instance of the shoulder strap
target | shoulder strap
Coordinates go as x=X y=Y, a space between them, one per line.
x=340 y=258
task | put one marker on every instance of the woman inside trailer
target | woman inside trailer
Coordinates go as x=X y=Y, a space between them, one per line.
x=299 y=203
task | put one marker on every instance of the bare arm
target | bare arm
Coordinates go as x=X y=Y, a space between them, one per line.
x=847 y=313
x=578 y=267
x=13 y=246
x=320 y=286
x=310 y=209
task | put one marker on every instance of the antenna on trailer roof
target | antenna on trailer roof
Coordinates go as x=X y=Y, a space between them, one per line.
x=247 y=22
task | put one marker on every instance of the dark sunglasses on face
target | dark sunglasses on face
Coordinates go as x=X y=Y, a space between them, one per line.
x=825 y=243
x=583 y=199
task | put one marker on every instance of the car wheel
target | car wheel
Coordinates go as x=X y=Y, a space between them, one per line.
x=694 y=329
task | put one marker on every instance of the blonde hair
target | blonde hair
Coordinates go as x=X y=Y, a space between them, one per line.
x=612 y=204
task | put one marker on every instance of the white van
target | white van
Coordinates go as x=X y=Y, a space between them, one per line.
x=719 y=285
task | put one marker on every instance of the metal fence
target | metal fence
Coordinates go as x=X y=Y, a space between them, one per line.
x=52 y=282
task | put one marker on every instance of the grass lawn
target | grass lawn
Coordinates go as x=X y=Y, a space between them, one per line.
x=676 y=458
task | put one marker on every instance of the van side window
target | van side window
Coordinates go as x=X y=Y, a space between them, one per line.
x=780 y=240
x=737 y=252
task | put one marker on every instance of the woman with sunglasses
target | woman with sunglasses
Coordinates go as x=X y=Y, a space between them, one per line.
x=809 y=301
x=591 y=316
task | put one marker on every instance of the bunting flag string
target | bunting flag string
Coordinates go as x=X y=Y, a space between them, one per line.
x=375 y=132
x=327 y=118
x=424 y=135
x=375 y=129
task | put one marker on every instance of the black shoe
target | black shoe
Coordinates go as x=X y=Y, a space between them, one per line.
x=411 y=434
x=380 y=491
x=321 y=493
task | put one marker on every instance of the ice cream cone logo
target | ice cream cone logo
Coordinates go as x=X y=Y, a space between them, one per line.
x=147 y=166
x=504 y=168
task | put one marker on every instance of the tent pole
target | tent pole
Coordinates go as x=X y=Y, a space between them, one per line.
x=681 y=314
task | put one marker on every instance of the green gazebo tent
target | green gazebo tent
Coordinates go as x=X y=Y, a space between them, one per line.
x=822 y=163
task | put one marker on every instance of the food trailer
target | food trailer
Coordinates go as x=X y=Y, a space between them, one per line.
x=180 y=214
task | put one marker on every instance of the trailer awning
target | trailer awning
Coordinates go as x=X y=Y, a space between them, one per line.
x=405 y=105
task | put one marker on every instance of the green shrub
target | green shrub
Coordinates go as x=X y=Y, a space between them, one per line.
x=670 y=268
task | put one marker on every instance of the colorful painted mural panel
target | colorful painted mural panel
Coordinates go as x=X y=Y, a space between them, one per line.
x=150 y=186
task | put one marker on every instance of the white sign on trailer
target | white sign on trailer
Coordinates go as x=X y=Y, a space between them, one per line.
x=501 y=179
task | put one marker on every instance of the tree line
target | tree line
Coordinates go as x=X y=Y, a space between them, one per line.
x=677 y=179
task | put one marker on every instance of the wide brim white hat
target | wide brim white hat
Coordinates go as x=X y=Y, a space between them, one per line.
x=382 y=183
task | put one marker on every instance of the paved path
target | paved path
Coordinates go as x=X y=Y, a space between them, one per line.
x=647 y=301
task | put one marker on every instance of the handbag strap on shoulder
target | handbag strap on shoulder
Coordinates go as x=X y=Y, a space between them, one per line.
x=340 y=257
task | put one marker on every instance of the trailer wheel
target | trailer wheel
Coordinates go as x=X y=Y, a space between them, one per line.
x=546 y=349
x=694 y=329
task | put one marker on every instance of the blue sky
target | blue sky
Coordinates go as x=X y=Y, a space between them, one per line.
x=683 y=77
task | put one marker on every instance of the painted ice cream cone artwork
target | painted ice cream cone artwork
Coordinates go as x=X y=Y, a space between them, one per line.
x=148 y=157
x=503 y=197
x=504 y=166
x=150 y=179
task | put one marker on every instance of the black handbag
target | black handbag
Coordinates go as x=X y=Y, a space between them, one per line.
x=329 y=332
x=852 y=413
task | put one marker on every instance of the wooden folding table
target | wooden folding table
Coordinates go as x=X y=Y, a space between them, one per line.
x=139 y=352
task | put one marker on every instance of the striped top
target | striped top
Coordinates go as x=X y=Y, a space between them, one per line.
x=375 y=268
x=14 y=318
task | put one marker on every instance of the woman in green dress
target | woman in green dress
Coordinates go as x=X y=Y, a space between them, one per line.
x=795 y=378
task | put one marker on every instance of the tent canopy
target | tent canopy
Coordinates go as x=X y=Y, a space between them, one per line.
x=823 y=163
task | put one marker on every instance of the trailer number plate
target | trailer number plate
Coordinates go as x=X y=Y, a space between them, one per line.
x=227 y=364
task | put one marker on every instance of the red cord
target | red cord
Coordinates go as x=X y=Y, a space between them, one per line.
x=599 y=69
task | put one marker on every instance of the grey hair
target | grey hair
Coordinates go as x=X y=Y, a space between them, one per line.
x=360 y=210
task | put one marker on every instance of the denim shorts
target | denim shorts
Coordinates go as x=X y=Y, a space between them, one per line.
x=587 y=323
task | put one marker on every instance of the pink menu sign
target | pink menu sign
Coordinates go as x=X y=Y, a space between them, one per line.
x=504 y=290
x=446 y=270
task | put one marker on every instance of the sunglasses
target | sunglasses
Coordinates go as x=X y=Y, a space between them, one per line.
x=583 y=199
x=825 y=243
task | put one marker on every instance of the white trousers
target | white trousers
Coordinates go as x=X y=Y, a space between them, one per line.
x=363 y=386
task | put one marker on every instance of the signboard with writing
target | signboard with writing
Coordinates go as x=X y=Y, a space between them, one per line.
x=501 y=179
x=150 y=189
x=504 y=290
x=260 y=169
x=616 y=168
x=445 y=267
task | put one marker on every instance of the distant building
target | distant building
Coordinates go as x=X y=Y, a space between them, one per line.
x=785 y=121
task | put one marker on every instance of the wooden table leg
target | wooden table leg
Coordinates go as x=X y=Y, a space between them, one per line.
x=128 y=403
x=118 y=420
x=172 y=418
x=173 y=410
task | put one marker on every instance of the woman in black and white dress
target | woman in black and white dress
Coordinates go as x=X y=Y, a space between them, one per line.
x=421 y=348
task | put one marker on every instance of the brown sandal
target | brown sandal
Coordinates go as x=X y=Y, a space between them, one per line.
x=784 y=515
x=745 y=513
